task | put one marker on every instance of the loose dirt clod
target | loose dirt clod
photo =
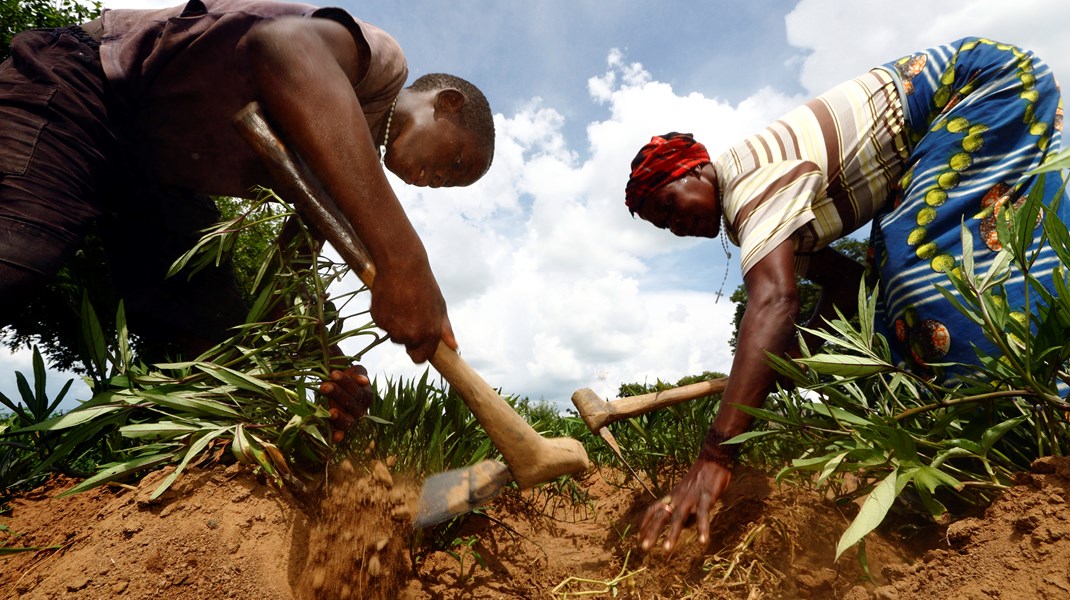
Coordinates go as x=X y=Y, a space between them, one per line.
x=356 y=549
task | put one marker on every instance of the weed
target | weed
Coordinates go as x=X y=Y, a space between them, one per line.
x=462 y=547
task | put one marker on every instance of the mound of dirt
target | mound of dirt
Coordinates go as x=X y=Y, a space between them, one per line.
x=222 y=533
x=1020 y=548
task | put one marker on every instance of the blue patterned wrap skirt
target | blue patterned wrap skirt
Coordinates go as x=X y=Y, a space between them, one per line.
x=979 y=116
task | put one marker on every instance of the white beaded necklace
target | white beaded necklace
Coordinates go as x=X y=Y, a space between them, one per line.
x=386 y=138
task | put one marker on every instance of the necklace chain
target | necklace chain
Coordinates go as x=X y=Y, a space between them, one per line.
x=386 y=136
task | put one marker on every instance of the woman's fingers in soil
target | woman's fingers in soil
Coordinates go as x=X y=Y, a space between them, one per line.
x=676 y=525
x=341 y=422
x=653 y=522
x=702 y=517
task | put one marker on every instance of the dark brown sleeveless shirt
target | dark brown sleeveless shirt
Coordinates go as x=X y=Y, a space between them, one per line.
x=180 y=74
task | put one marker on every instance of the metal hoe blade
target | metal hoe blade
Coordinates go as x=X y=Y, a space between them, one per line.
x=611 y=441
x=451 y=493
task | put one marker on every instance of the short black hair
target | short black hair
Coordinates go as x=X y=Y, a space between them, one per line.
x=475 y=114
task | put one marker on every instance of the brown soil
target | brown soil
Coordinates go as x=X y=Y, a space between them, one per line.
x=223 y=534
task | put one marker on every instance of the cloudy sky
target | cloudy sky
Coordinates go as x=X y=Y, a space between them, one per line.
x=551 y=285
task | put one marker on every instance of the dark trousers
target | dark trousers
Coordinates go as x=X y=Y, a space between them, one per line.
x=65 y=165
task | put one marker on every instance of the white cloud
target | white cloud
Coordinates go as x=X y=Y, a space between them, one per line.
x=568 y=298
x=846 y=38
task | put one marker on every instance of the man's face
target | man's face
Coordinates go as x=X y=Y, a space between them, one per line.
x=686 y=206
x=434 y=150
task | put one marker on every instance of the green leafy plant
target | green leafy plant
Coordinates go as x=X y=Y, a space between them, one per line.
x=19 y=15
x=22 y=451
x=894 y=430
x=463 y=547
x=252 y=396
x=425 y=426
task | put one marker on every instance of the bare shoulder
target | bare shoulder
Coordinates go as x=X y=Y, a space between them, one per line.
x=298 y=38
x=283 y=28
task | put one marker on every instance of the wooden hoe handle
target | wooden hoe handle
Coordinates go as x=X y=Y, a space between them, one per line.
x=598 y=413
x=532 y=459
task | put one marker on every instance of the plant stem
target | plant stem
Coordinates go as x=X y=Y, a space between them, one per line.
x=966 y=400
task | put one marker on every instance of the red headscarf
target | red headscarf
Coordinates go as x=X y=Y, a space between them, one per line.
x=665 y=159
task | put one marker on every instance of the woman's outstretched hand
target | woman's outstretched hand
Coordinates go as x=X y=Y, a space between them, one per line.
x=349 y=394
x=694 y=495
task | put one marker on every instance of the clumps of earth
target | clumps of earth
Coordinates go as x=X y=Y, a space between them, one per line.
x=224 y=533
x=357 y=543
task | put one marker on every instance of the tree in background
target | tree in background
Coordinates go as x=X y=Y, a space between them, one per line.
x=19 y=15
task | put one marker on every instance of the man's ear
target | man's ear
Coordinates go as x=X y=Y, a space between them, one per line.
x=449 y=100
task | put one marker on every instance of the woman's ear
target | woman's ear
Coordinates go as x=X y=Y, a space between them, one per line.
x=449 y=100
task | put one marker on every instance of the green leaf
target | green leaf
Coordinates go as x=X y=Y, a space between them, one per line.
x=125 y=354
x=837 y=413
x=749 y=435
x=1026 y=219
x=74 y=418
x=873 y=511
x=93 y=336
x=930 y=479
x=842 y=365
x=158 y=429
x=966 y=238
x=969 y=313
x=1058 y=236
x=16 y=408
x=241 y=446
x=60 y=396
x=242 y=381
x=830 y=467
x=900 y=443
x=119 y=471
x=40 y=395
x=934 y=506
x=5 y=550
x=967 y=445
x=193 y=405
x=993 y=434
x=194 y=451
x=1056 y=162
x=761 y=413
x=998 y=270
x=28 y=397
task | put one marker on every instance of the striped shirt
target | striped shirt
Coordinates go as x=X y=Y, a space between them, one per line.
x=818 y=173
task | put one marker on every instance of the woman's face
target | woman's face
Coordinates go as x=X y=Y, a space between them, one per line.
x=687 y=206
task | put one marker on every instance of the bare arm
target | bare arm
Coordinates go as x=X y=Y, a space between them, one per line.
x=305 y=70
x=768 y=326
